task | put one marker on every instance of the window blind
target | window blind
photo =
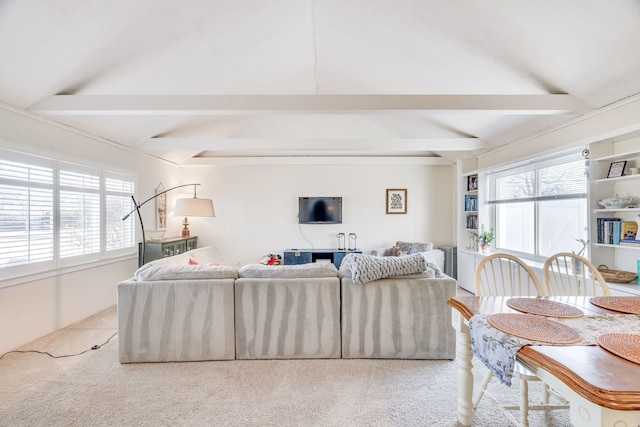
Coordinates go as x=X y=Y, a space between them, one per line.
x=79 y=212
x=555 y=179
x=119 y=234
x=26 y=213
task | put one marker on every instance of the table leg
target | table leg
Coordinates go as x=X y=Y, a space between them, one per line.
x=464 y=374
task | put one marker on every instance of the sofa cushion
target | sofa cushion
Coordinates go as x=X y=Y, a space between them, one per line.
x=261 y=271
x=182 y=259
x=413 y=247
x=205 y=255
x=151 y=272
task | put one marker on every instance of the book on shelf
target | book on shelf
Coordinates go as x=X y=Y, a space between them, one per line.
x=472 y=221
x=470 y=203
x=629 y=230
x=616 y=231
x=605 y=232
x=630 y=242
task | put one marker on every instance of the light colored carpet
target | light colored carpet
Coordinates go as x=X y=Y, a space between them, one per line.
x=94 y=389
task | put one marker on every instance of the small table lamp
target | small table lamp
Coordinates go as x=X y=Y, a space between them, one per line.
x=193 y=207
x=184 y=207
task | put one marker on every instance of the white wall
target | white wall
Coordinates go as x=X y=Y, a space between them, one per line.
x=33 y=306
x=606 y=123
x=256 y=207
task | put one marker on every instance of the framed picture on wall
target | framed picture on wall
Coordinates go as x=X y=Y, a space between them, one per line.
x=161 y=209
x=616 y=169
x=396 y=200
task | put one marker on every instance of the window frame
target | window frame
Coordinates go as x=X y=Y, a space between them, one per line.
x=102 y=173
x=533 y=165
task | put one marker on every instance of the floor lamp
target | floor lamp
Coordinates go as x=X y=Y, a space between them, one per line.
x=184 y=207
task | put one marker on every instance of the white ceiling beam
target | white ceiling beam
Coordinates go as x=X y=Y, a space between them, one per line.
x=318 y=144
x=318 y=160
x=306 y=104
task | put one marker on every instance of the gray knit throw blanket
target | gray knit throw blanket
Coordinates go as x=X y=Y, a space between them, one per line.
x=367 y=268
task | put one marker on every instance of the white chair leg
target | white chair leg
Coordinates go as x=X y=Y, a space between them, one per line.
x=524 y=403
x=545 y=394
x=483 y=388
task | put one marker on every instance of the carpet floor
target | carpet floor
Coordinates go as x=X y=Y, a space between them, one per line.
x=94 y=389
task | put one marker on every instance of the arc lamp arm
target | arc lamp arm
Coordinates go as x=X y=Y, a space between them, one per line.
x=139 y=205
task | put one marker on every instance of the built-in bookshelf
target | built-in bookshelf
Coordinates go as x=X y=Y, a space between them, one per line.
x=471 y=202
x=614 y=173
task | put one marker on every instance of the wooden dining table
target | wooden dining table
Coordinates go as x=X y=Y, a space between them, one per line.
x=602 y=389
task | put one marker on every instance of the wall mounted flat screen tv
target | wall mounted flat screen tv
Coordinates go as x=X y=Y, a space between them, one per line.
x=320 y=210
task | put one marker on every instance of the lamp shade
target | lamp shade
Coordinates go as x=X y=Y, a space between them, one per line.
x=194 y=207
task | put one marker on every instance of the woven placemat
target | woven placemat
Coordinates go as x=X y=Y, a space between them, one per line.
x=626 y=346
x=621 y=304
x=544 y=307
x=534 y=328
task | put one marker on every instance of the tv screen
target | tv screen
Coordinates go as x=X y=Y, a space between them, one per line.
x=320 y=210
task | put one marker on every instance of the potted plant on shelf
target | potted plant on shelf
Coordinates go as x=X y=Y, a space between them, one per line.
x=484 y=238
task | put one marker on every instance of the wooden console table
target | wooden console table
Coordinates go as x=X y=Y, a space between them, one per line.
x=306 y=256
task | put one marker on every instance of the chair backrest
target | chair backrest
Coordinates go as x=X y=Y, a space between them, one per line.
x=572 y=275
x=504 y=274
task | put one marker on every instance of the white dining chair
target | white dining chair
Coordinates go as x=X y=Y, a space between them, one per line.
x=507 y=275
x=569 y=274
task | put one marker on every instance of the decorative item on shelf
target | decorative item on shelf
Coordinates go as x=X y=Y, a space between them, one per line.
x=616 y=169
x=616 y=276
x=577 y=264
x=192 y=207
x=341 y=241
x=615 y=202
x=633 y=171
x=484 y=238
x=202 y=207
x=155 y=235
x=352 y=241
x=271 y=259
x=584 y=244
x=472 y=182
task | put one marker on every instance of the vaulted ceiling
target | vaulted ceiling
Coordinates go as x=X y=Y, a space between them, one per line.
x=237 y=81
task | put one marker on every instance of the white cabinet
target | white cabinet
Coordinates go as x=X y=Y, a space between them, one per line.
x=467 y=264
x=603 y=155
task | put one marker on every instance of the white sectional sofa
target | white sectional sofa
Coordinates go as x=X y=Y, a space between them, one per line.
x=173 y=311
x=402 y=317
x=287 y=312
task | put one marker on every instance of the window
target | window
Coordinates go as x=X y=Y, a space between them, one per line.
x=26 y=211
x=119 y=234
x=540 y=208
x=79 y=190
x=55 y=213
